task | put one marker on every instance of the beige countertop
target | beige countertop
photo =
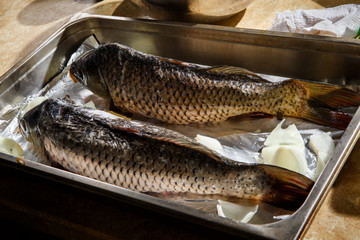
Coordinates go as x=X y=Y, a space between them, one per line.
x=25 y=24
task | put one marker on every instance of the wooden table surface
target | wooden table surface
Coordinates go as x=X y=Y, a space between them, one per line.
x=24 y=24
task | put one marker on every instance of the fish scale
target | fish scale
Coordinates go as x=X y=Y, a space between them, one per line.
x=147 y=158
x=183 y=93
x=98 y=164
x=206 y=107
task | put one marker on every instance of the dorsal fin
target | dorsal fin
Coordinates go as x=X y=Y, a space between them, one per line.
x=229 y=70
x=178 y=62
x=234 y=70
x=160 y=134
x=223 y=69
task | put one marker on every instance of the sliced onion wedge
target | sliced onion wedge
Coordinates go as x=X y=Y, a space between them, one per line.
x=235 y=211
x=11 y=147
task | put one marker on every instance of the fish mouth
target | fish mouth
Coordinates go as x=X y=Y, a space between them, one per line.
x=30 y=120
x=73 y=73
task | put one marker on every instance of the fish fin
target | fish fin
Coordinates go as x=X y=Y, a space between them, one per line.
x=224 y=69
x=166 y=135
x=257 y=115
x=290 y=188
x=177 y=62
x=328 y=95
x=121 y=112
x=234 y=70
x=324 y=101
x=229 y=70
x=328 y=117
x=118 y=114
x=181 y=140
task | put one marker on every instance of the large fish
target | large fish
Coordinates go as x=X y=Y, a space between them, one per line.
x=183 y=93
x=146 y=158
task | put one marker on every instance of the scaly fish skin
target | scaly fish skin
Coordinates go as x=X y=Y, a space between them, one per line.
x=183 y=93
x=146 y=158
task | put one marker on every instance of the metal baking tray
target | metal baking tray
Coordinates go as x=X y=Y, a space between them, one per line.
x=315 y=58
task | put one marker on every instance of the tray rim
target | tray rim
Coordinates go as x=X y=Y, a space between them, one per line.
x=329 y=173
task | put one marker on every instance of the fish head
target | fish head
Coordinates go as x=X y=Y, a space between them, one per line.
x=29 y=125
x=88 y=71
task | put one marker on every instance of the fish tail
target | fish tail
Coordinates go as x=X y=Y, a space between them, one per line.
x=324 y=101
x=290 y=188
x=329 y=95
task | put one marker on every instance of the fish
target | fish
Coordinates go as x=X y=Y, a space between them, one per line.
x=178 y=92
x=146 y=158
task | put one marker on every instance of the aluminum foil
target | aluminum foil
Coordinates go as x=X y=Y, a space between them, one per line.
x=242 y=137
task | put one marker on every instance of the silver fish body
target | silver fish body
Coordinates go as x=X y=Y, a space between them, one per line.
x=146 y=158
x=182 y=93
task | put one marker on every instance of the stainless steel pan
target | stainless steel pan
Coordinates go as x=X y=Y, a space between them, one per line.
x=289 y=55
